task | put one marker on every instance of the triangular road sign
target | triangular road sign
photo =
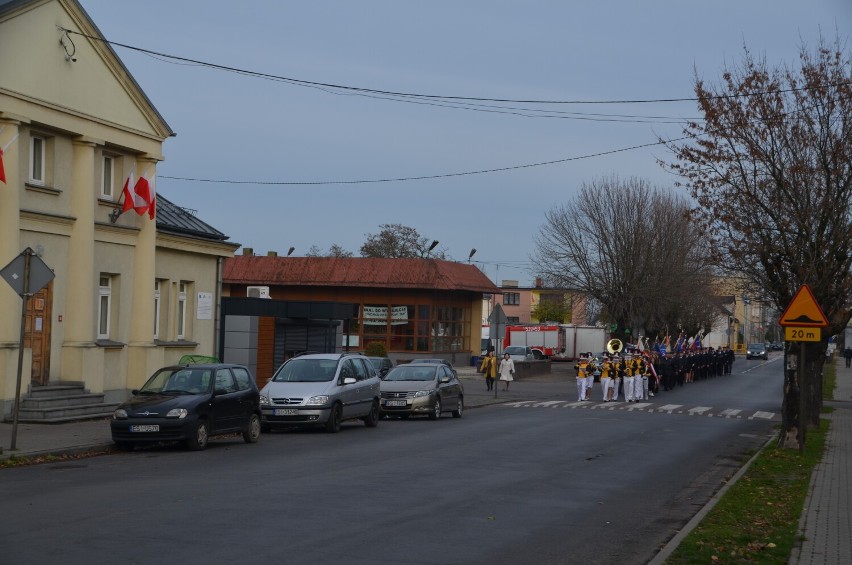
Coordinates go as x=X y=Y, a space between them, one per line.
x=803 y=311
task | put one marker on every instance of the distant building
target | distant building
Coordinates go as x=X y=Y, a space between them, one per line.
x=519 y=302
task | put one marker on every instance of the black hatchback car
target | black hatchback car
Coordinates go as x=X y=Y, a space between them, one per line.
x=190 y=404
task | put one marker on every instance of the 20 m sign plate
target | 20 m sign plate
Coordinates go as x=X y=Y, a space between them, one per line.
x=802 y=334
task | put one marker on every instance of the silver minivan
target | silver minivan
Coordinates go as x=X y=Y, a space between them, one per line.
x=321 y=389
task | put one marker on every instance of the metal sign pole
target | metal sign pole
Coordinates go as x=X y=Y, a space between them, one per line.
x=24 y=295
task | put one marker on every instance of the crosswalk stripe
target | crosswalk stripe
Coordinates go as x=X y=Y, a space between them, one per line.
x=641 y=406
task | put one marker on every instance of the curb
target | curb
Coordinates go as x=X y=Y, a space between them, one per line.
x=673 y=543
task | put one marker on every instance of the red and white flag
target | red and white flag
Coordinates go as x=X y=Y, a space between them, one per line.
x=127 y=194
x=2 y=150
x=142 y=199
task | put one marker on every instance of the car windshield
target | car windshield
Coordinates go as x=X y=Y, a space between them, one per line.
x=757 y=346
x=306 y=371
x=185 y=380
x=515 y=350
x=377 y=362
x=409 y=373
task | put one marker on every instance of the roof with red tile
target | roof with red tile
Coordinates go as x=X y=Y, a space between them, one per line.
x=356 y=272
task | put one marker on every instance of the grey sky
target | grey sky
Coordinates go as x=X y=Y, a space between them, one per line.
x=247 y=129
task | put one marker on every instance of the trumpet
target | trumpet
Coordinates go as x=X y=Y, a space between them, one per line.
x=614 y=346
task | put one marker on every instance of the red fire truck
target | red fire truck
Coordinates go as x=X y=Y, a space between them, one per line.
x=561 y=342
x=542 y=339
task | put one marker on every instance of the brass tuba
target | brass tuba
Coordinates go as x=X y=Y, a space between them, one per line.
x=614 y=346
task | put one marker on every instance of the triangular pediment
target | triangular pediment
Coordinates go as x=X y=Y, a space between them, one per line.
x=74 y=75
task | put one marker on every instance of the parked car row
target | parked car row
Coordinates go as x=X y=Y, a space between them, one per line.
x=191 y=403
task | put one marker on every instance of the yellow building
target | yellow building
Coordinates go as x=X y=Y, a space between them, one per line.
x=130 y=293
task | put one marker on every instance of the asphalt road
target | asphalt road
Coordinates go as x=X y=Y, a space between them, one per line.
x=524 y=482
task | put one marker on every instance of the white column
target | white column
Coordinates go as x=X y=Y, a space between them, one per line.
x=143 y=357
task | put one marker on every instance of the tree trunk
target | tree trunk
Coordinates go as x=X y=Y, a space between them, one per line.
x=802 y=404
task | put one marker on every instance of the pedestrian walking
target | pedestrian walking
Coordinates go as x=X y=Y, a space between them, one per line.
x=847 y=354
x=507 y=370
x=489 y=367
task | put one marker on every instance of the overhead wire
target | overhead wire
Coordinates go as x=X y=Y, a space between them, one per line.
x=423 y=177
x=414 y=95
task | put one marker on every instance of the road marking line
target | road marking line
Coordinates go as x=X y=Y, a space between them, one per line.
x=729 y=413
x=762 y=415
x=700 y=410
x=669 y=408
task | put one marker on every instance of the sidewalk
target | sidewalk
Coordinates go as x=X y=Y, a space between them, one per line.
x=825 y=525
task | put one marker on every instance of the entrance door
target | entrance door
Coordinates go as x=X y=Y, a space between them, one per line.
x=37 y=333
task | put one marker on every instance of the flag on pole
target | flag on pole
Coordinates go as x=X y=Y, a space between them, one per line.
x=152 y=198
x=2 y=150
x=142 y=198
x=127 y=194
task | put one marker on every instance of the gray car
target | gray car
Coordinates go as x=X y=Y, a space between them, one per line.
x=757 y=350
x=422 y=388
x=321 y=389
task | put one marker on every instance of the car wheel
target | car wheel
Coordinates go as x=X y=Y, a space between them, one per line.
x=436 y=410
x=371 y=420
x=457 y=413
x=252 y=431
x=332 y=426
x=200 y=438
x=538 y=355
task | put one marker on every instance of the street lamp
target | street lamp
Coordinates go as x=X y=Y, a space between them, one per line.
x=290 y=251
x=431 y=247
x=472 y=253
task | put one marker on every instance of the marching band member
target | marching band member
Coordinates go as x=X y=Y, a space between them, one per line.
x=581 y=367
x=606 y=380
x=628 y=378
x=591 y=369
x=617 y=374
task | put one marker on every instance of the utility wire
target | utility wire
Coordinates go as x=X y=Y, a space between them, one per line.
x=415 y=95
x=423 y=177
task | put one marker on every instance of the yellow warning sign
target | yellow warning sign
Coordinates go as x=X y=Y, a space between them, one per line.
x=802 y=334
x=803 y=311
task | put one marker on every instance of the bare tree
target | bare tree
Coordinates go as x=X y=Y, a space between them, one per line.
x=399 y=241
x=334 y=250
x=770 y=168
x=629 y=247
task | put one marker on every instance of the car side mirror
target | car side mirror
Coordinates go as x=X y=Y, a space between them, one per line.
x=445 y=379
x=349 y=381
x=134 y=392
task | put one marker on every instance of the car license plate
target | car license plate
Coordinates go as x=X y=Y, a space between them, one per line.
x=395 y=403
x=149 y=428
x=285 y=412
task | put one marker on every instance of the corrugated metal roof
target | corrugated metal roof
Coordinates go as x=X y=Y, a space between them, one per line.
x=173 y=218
x=358 y=272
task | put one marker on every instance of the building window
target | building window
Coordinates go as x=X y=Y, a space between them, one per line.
x=156 y=309
x=512 y=298
x=107 y=180
x=181 y=311
x=37 y=158
x=513 y=320
x=104 y=303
